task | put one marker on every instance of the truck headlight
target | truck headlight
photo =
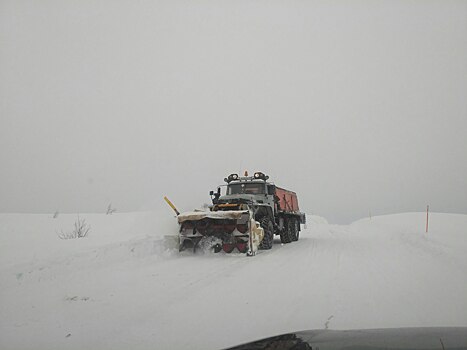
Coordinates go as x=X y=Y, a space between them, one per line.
x=232 y=177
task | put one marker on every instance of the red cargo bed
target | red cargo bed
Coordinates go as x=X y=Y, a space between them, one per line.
x=288 y=200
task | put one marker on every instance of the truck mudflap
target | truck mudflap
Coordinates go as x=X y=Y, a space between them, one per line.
x=220 y=230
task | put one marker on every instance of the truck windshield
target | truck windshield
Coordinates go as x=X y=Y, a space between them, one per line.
x=247 y=188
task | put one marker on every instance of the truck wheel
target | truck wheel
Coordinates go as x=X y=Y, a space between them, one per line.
x=286 y=233
x=268 y=228
x=295 y=230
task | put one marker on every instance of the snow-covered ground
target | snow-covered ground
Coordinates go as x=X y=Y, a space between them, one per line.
x=126 y=286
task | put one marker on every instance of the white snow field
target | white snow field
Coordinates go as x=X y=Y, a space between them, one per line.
x=125 y=286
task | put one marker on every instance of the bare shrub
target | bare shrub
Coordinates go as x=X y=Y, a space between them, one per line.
x=56 y=215
x=110 y=210
x=80 y=230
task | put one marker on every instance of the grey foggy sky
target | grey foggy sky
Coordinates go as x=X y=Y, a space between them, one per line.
x=356 y=106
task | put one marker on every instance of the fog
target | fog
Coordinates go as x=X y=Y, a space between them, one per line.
x=360 y=107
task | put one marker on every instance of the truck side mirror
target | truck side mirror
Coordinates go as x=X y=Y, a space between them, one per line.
x=211 y=193
x=271 y=189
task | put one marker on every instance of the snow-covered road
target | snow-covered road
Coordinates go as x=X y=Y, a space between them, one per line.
x=126 y=290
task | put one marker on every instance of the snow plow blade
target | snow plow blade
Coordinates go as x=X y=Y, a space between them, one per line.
x=223 y=230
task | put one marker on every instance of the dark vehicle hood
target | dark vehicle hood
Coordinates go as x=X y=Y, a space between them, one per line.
x=366 y=339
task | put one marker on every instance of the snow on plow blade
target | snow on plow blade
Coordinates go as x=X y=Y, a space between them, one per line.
x=224 y=230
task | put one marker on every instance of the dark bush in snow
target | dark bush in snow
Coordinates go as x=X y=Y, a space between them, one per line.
x=81 y=229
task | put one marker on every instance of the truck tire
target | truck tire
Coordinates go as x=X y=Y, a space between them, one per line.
x=268 y=228
x=286 y=233
x=295 y=230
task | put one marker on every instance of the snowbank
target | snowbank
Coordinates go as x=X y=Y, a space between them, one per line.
x=315 y=220
x=27 y=238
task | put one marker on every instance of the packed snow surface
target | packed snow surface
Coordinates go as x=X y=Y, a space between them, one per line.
x=126 y=286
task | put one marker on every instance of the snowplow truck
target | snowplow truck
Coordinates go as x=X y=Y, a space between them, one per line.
x=245 y=218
